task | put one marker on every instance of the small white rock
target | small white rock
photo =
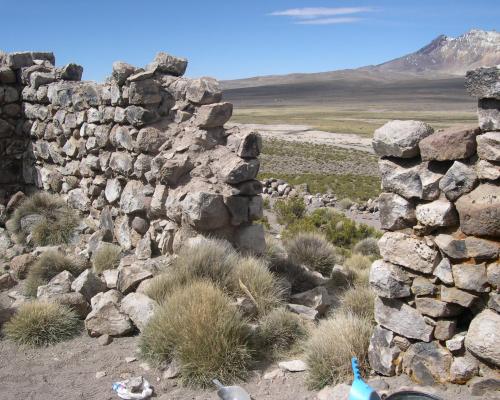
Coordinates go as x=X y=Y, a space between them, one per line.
x=293 y=366
x=130 y=359
x=100 y=374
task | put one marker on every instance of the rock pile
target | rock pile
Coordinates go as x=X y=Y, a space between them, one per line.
x=438 y=283
x=144 y=155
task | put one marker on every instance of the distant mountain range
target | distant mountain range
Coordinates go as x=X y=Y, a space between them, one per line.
x=443 y=57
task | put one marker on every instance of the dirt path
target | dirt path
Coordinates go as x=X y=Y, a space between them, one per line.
x=304 y=133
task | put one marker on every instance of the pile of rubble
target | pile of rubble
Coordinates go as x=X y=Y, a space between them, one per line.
x=438 y=282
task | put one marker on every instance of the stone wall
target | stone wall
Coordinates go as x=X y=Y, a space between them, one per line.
x=144 y=155
x=438 y=281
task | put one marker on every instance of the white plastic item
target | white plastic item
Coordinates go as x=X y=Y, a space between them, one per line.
x=124 y=392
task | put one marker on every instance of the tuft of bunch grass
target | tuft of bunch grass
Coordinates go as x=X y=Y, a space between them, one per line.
x=332 y=345
x=345 y=204
x=107 y=256
x=279 y=331
x=252 y=278
x=312 y=250
x=358 y=262
x=367 y=247
x=41 y=324
x=48 y=265
x=199 y=327
x=55 y=224
x=163 y=285
x=359 y=301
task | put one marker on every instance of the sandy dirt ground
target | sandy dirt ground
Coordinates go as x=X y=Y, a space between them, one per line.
x=304 y=133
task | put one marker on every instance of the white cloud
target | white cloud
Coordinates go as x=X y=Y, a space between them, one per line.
x=315 y=12
x=328 y=21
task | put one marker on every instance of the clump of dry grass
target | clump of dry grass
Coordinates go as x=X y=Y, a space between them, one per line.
x=345 y=204
x=41 y=324
x=48 y=265
x=332 y=345
x=367 y=247
x=252 y=279
x=198 y=326
x=107 y=256
x=312 y=250
x=359 y=301
x=53 y=221
x=279 y=331
x=358 y=262
x=162 y=286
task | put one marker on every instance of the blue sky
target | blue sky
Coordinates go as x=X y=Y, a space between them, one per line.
x=237 y=38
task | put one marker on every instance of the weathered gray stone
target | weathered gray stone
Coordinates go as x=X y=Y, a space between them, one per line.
x=139 y=116
x=436 y=308
x=449 y=144
x=145 y=91
x=483 y=337
x=213 y=115
x=121 y=163
x=383 y=354
x=304 y=311
x=492 y=272
x=78 y=199
x=317 y=298
x=463 y=368
x=106 y=318
x=445 y=329
x=236 y=170
x=88 y=284
x=480 y=386
x=149 y=140
x=132 y=199
x=457 y=296
x=427 y=363
x=120 y=137
x=487 y=170
x=61 y=283
x=205 y=211
x=143 y=250
x=401 y=177
x=481 y=249
x=167 y=64
x=479 y=211
x=488 y=146
x=470 y=277
x=71 y=72
x=399 y=317
x=395 y=212
x=483 y=82
x=410 y=252
x=453 y=248
x=246 y=145
x=113 y=190
x=438 y=213
x=458 y=180
x=456 y=343
x=203 y=91
x=130 y=277
x=443 y=271
x=400 y=138
x=423 y=287
x=75 y=301
x=238 y=208
x=251 y=239
x=139 y=308
x=173 y=170
x=389 y=280
x=488 y=114
x=121 y=71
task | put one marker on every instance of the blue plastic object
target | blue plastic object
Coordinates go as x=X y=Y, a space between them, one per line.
x=360 y=390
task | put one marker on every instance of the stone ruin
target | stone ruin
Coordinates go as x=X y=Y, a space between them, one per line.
x=437 y=284
x=144 y=155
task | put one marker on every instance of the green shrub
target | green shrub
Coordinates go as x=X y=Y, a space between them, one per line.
x=289 y=210
x=252 y=278
x=345 y=204
x=312 y=250
x=55 y=221
x=367 y=247
x=107 y=256
x=332 y=345
x=41 y=324
x=48 y=265
x=279 y=331
x=198 y=325
x=359 y=300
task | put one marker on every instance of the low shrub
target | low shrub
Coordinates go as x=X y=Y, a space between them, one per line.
x=332 y=345
x=41 y=324
x=252 y=278
x=367 y=247
x=345 y=204
x=289 y=210
x=279 y=331
x=312 y=250
x=107 y=256
x=359 y=301
x=48 y=265
x=198 y=326
x=53 y=221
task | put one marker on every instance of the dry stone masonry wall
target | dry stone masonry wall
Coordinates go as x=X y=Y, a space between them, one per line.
x=144 y=155
x=437 y=284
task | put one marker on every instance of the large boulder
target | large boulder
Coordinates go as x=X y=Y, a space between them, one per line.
x=458 y=180
x=479 y=211
x=389 y=280
x=470 y=277
x=449 y=144
x=213 y=115
x=205 y=211
x=483 y=337
x=167 y=64
x=408 y=251
x=383 y=353
x=400 y=138
x=402 y=319
x=438 y=213
x=132 y=199
x=483 y=82
x=428 y=363
x=130 y=276
x=401 y=177
x=203 y=91
x=139 y=307
x=88 y=284
x=106 y=318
